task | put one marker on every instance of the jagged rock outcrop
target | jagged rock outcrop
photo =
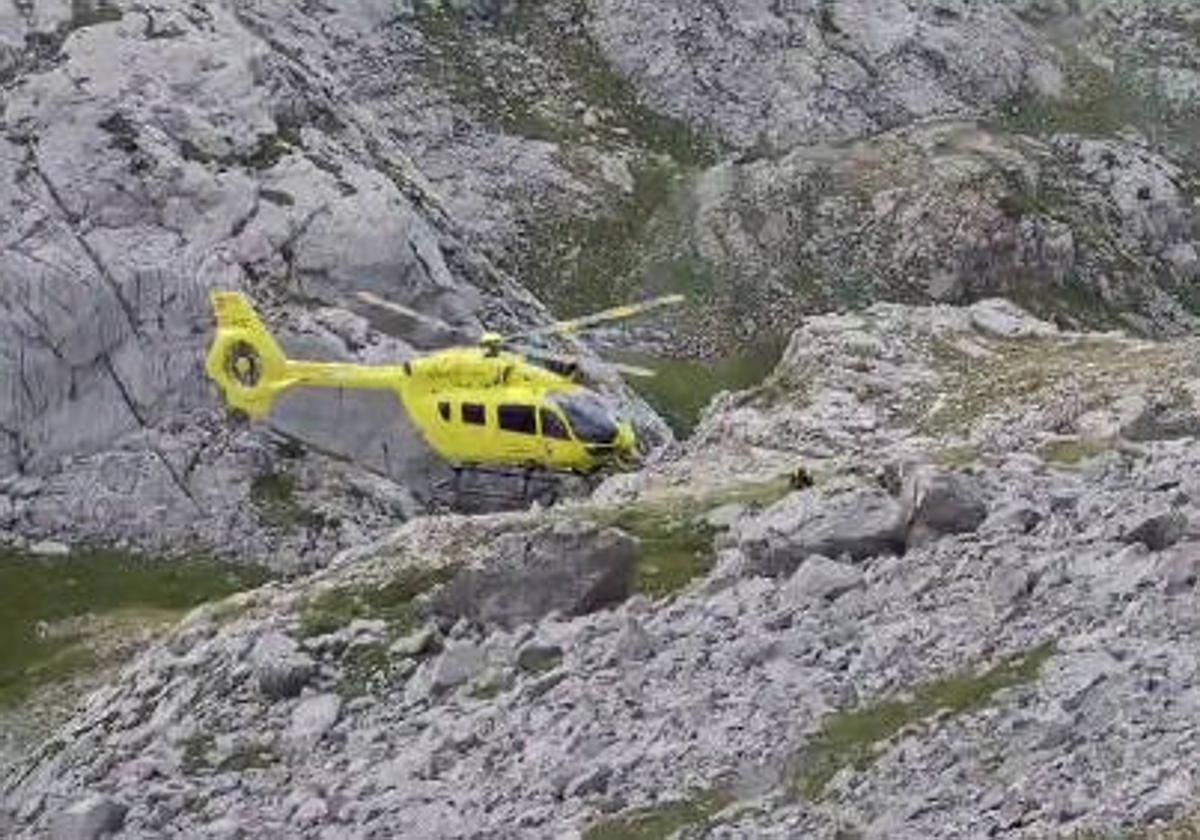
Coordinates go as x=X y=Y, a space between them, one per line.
x=767 y=77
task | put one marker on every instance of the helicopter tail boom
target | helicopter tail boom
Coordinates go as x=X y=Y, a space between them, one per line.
x=252 y=370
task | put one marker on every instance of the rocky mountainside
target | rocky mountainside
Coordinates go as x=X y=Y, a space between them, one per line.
x=771 y=160
x=974 y=616
x=934 y=576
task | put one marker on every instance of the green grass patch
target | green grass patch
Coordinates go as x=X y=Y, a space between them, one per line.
x=248 y=757
x=1070 y=452
x=392 y=601
x=197 y=752
x=85 y=13
x=684 y=387
x=957 y=457
x=855 y=738
x=659 y=822
x=274 y=496
x=676 y=548
x=366 y=670
x=39 y=597
x=1097 y=104
x=677 y=545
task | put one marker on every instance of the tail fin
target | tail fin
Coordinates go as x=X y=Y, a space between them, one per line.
x=245 y=360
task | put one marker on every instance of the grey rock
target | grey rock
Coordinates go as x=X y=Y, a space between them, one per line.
x=461 y=662
x=311 y=719
x=312 y=811
x=1159 y=531
x=572 y=567
x=1010 y=585
x=1017 y=518
x=49 y=548
x=90 y=819
x=282 y=670
x=862 y=43
x=821 y=579
x=423 y=641
x=634 y=643
x=1005 y=319
x=537 y=658
x=724 y=516
x=1168 y=800
x=1074 y=677
x=589 y=783
x=858 y=523
x=271 y=177
x=938 y=502
x=1180 y=570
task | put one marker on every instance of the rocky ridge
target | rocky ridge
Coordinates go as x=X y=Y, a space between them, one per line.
x=979 y=619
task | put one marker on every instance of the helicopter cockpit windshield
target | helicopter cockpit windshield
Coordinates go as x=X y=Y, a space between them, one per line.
x=589 y=417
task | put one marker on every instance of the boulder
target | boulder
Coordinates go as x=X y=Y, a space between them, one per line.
x=537 y=657
x=938 y=502
x=90 y=819
x=821 y=579
x=281 y=668
x=311 y=719
x=425 y=640
x=1003 y=318
x=1159 y=531
x=460 y=663
x=571 y=567
x=1012 y=518
x=634 y=643
x=1180 y=570
x=858 y=523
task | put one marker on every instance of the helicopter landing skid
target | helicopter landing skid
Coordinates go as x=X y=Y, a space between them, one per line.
x=486 y=489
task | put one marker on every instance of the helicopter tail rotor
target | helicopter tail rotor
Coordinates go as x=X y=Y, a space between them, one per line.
x=245 y=360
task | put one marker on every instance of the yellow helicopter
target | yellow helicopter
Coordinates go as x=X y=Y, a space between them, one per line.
x=486 y=405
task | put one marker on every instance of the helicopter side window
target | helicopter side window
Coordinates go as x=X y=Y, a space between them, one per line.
x=474 y=414
x=552 y=427
x=518 y=418
x=444 y=410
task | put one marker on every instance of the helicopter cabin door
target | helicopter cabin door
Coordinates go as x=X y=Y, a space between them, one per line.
x=555 y=437
x=517 y=433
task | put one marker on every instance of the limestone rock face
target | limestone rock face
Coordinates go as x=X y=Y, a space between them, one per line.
x=770 y=76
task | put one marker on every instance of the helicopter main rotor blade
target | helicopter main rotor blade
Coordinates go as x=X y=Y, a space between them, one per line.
x=419 y=317
x=629 y=370
x=617 y=313
x=564 y=359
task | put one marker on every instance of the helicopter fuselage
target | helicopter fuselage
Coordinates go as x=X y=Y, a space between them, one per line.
x=474 y=406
